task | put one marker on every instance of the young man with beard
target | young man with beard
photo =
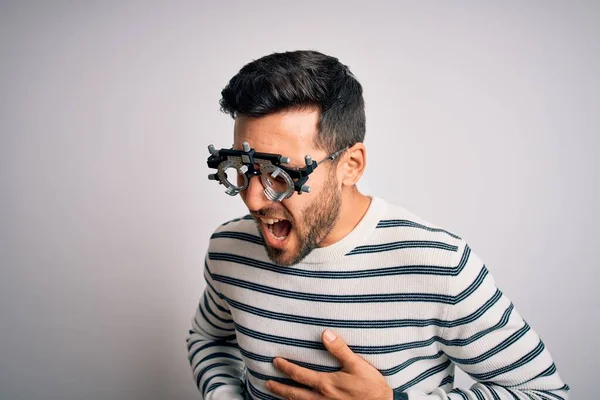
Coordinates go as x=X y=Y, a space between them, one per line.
x=325 y=293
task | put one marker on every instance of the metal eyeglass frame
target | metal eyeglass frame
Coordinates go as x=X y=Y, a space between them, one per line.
x=249 y=163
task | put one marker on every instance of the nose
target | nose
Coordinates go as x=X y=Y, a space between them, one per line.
x=254 y=195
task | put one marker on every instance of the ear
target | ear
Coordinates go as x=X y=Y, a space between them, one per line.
x=352 y=165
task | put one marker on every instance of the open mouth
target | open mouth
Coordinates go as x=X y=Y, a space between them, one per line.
x=278 y=229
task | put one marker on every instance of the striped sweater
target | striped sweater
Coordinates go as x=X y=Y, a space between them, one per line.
x=412 y=299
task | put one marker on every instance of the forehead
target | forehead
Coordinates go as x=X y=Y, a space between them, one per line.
x=290 y=133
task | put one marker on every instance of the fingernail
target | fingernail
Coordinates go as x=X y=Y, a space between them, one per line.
x=329 y=335
x=275 y=362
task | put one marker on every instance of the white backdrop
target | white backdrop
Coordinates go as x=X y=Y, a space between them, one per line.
x=483 y=117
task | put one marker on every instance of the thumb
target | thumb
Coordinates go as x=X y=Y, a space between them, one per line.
x=338 y=348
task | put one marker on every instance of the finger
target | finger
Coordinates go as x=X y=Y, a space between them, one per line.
x=338 y=348
x=291 y=392
x=297 y=373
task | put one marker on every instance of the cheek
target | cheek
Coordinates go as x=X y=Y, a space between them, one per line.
x=321 y=180
x=316 y=185
x=302 y=206
x=295 y=207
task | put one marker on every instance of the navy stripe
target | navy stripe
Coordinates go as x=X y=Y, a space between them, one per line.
x=245 y=237
x=285 y=381
x=211 y=312
x=211 y=323
x=393 y=223
x=215 y=376
x=219 y=307
x=547 y=393
x=355 y=298
x=367 y=324
x=447 y=380
x=206 y=369
x=496 y=349
x=488 y=386
x=424 y=375
x=214 y=386
x=495 y=395
x=254 y=356
x=547 y=372
x=407 y=363
x=387 y=271
x=255 y=392
x=269 y=360
x=218 y=355
x=206 y=335
x=400 y=396
x=245 y=217
x=279 y=339
x=510 y=392
x=478 y=393
x=407 y=244
x=219 y=343
x=522 y=361
x=460 y=392
x=322 y=368
x=541 y=395
x=212 y=356
x=208 y=284
x=375 y=349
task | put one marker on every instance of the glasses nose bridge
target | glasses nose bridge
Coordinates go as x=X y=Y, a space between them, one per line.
x=255 y=192
x=254 y=178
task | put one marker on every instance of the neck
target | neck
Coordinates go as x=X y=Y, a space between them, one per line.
x=353 y=209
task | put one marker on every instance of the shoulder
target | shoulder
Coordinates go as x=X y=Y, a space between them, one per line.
x=241 y=229
x=428 y=250
x=397 y=216
x=236 y=224
x=447 y=248
x=401 y=229
x=235 y=241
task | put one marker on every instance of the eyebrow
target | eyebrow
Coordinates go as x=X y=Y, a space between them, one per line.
x=291 y=166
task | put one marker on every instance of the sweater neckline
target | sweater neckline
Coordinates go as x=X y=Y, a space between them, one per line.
x=361 y=231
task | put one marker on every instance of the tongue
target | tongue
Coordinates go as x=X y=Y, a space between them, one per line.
x=282 y=228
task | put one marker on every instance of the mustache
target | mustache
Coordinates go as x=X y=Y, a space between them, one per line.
x=271 y=213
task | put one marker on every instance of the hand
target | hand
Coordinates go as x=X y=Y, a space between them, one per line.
x=356 y=380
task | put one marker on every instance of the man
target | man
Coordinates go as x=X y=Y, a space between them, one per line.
x=322 y=292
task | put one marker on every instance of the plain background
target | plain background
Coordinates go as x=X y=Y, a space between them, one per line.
x=483 y=118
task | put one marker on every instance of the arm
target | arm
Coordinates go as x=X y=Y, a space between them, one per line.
x=213 y=352
x=496 y=347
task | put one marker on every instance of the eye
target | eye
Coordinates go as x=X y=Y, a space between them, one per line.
x=293 y=171
x=276 y=180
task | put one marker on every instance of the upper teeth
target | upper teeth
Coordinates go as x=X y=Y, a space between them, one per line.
x=270 y=221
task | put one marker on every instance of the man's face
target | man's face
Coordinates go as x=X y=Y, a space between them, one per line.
x=306 y=219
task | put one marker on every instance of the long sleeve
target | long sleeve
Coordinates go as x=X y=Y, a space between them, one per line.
x=490 y=341
x=213 y=352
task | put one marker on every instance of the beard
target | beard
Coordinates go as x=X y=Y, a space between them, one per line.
x=318 y=219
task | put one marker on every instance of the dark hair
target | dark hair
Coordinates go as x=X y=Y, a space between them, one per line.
x=300 y=79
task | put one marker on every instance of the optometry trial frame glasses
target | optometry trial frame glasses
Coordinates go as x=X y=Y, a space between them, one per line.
x=235 y=168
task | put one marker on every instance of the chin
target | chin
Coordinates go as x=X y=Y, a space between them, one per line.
x=281 y=257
